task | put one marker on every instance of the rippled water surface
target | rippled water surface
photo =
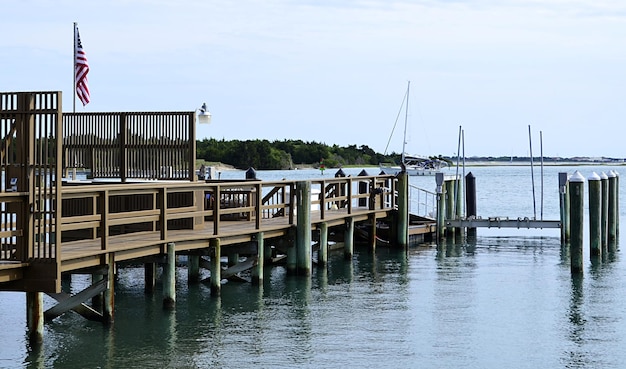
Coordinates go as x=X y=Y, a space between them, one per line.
x=504 y=300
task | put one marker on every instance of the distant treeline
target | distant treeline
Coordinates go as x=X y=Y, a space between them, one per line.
x=287 y=154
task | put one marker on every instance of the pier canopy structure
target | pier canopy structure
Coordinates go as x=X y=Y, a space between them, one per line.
x=143 y=203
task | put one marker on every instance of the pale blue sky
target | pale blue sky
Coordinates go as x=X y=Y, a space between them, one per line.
x=336 y=71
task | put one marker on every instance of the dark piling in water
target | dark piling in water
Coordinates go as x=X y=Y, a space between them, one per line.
x=576 y=196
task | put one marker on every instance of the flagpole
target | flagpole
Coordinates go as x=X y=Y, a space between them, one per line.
x=74 y=71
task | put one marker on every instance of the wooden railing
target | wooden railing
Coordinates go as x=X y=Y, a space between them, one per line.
x=101 y=211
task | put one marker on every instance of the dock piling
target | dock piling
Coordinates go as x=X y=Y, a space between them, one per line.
x=348 y=239
x=470 y=201
x=595 y=216
x=564 y=207
x=34 y=317
x=441 y=206
x=193 y=268
x=303 y=235
x=257 y=270
x=402 y=236
x=216 y=273
x=576 y=196
x=604 y=219
x=322 y=254
x=612 y=212
x=169 y=277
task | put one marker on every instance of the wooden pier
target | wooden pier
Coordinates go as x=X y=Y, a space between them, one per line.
x=145 y=204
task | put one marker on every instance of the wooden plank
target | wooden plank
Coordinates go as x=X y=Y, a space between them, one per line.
x=249 y=263
x=75 y=302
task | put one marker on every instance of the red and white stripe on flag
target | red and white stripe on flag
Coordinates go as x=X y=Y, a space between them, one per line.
x=81 y=68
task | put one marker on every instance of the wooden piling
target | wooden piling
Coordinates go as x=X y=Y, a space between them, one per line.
x=458 y=206
x=149 y=274
x=604 y=220
x=576 y=196
x=34 y=317
x=616 y=204
x=233 y=259
x=348 y=239
x=595 y=216
x=402 y=234
x=470 y=201
x=372 y=232
x=564 y=207
x=292 y=254
x=216 y=273
x=322 y=254
x=612 y=214
x=257 y=271
x=96 y=301
x=108 y=301
x=449 y=207
x=441 y=206
x=303 y=230
x=193 y=268
x=169 y=277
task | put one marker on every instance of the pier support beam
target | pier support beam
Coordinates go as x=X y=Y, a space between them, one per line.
x=348 y=239
x=193 y=268
x=34 y=317
x=257 y=270
x=402 y=233
x=595 y=217
x=215 y=254
x=576 y=195
x=322 y=254
x=303 y=235
x=169 y=277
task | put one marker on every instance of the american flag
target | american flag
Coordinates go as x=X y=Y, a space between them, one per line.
x=81 y=68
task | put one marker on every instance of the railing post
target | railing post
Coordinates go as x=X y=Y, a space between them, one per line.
x=104 y=216
x=259 y=205
x=163 y=216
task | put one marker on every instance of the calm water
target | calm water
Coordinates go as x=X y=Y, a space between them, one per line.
x=505 y=300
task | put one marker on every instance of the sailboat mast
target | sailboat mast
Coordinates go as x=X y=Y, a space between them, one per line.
x=406 y=119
